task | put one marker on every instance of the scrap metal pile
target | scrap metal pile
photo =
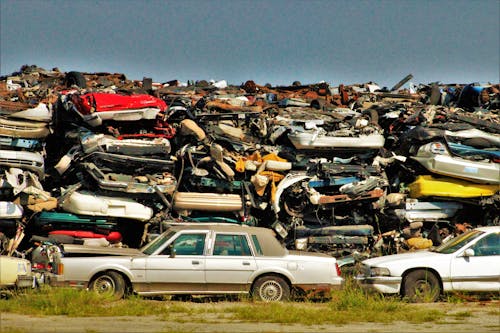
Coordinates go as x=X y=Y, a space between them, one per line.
x=330 y=169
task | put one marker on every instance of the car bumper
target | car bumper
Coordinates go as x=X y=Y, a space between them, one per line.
x=60 y=281
x=322 y=288
x=25 y=281
x=383 y=284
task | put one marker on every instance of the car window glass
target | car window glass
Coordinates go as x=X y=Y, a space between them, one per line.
x=189 y=245
x=458 y=242
x=487 y=246
x=231 y=245
x=257 y=245
x=157 y=243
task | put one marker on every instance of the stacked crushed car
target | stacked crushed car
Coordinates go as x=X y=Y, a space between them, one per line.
x=339 y=170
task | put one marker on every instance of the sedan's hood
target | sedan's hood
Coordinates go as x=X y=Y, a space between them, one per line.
x=400 y=259
x=75 y=249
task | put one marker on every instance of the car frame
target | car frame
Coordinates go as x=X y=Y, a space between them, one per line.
x=260 y=266
x=461 y=264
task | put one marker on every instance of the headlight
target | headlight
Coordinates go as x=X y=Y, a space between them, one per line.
x=379 y=271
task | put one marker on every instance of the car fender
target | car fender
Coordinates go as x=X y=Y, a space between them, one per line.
x=425 y=268
x=120 y=268
x=288 y=181
x=271 y=271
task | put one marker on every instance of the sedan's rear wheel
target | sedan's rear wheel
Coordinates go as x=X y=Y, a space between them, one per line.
x=271 y=288
x=421 y=286
x=110 y=284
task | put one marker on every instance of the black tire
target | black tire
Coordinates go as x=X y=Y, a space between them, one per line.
x=271 y=288
x=75 y=78
x=109 y=283
x=421 y=286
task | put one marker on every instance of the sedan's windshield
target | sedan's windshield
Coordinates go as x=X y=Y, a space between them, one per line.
x=157 y=243
x=458 y=242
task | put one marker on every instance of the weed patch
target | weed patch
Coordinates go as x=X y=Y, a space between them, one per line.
x=346 y=306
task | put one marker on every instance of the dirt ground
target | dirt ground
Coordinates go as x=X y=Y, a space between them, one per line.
x=481 y=317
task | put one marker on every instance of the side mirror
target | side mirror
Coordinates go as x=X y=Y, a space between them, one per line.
x=468 y=253
x=171 y=251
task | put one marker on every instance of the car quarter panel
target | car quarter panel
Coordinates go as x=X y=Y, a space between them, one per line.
x=300 y=270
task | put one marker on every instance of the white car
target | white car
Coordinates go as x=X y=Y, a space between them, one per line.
x=470 y=262
x=201 y=259
x=14 y=273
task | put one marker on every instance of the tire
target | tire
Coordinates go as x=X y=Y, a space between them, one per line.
x=271 y=288
x=75 y=78
x=421 y=286
x=110 y=284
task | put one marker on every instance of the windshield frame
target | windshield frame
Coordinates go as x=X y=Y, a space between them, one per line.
x=459 y=242
x=158 y=242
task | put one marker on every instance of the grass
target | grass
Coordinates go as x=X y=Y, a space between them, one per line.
x=347 y=306
x=462 y=315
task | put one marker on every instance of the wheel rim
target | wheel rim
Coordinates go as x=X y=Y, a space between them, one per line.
x=271 y=291
x=104 y=285
x=423 y=290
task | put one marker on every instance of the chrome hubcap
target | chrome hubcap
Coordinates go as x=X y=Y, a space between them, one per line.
x=104 y=284
x=271 y=291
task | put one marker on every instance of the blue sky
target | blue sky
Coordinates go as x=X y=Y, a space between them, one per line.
x=273 y=41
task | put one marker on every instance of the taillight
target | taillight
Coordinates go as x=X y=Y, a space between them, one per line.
x=38 y=266
x=337 y=268
x=41 y=266
x=60 y=269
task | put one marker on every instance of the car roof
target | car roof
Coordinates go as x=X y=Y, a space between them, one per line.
x=230 y=227
x=493 y=228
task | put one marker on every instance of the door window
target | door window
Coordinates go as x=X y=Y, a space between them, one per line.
x=231 y=245
x=189 y=245
x=488 y=246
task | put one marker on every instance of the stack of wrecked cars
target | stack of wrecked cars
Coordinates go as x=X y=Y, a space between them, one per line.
x=351 y=170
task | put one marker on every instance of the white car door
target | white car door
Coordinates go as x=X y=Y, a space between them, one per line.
x=183 y=271
x=230 y=264
x=480 y=271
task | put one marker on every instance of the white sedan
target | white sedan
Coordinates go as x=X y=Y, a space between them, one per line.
x=202 y=259
x=470 y=262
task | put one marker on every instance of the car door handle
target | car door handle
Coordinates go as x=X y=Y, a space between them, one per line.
x=246 y=263
x=195 y=262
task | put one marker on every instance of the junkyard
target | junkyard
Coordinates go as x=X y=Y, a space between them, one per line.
x=99 y=162
x=332 y=169
x=249 y=166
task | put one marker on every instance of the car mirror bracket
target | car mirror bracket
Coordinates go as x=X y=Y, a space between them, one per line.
x=468 y=253
x=171 y=251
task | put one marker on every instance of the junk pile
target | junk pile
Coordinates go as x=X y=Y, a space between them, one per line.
x=98 y=158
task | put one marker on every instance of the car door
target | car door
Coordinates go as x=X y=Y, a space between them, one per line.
x=230 y=263
x=180 y=267
x=480 y=271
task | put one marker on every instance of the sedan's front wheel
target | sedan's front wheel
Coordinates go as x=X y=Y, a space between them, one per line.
x=109 y=283
x=421 y=286
x=271 y=288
